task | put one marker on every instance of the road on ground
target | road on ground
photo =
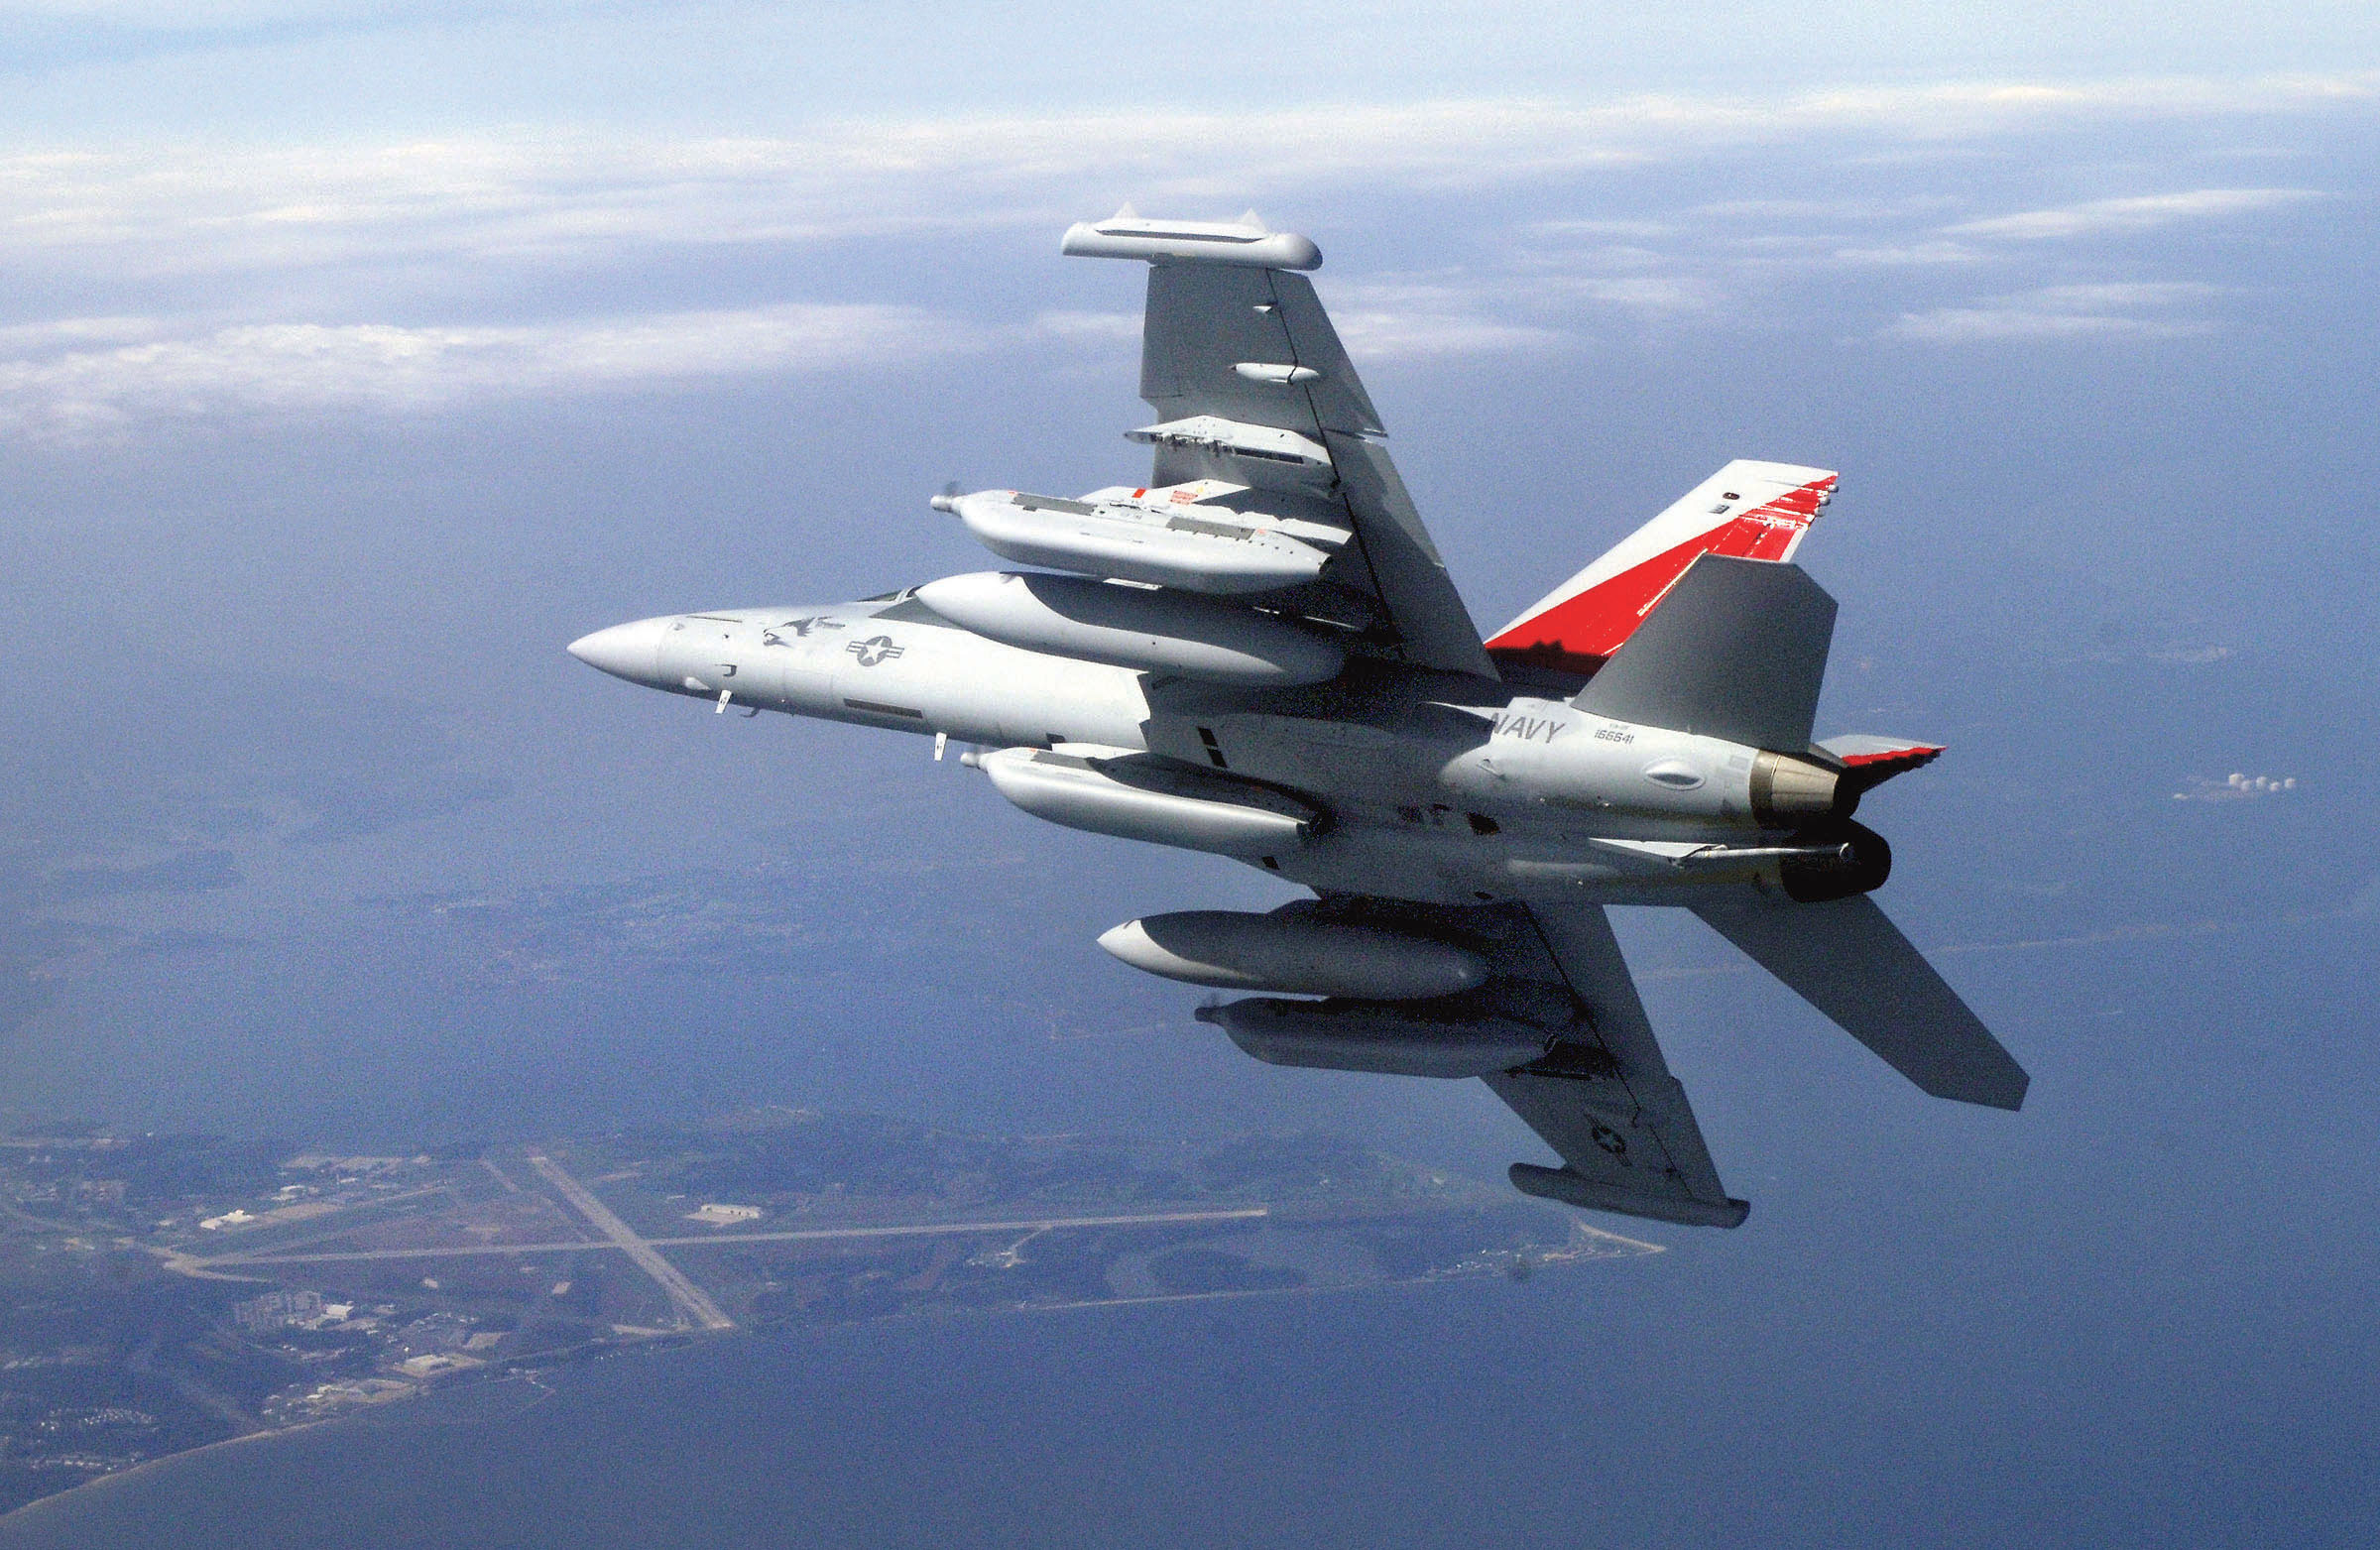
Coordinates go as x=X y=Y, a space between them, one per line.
x=914 y=1229
x=691 y=1300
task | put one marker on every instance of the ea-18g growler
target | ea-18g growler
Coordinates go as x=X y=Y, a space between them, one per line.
x=1259 y=654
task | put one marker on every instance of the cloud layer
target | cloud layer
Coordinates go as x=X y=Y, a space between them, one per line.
x=2156 y=310
x=178 y=281
x=377 y=366
x=2144 y=212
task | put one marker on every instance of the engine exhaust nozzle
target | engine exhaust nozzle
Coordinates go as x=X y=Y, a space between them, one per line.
x=1793 y=794
x=1858 y=865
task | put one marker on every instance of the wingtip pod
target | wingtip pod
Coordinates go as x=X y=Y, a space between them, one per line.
x=1245 y=242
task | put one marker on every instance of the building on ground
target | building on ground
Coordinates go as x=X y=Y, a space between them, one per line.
x=720 y=1214
x=276 y=1311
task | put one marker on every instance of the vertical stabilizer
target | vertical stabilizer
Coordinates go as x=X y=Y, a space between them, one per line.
x=1736 y=651
x=1747 y=510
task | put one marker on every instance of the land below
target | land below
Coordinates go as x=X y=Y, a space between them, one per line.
x=159 y=1294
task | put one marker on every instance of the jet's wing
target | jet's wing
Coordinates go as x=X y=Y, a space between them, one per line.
x=1253 y=387
x=1557 y=1031
x=1604 y=1098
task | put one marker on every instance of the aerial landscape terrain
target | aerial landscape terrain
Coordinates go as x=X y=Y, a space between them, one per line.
x=161 y=1293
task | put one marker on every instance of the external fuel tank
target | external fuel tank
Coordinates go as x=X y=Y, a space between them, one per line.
x=1147 y=628
x=1288 y=953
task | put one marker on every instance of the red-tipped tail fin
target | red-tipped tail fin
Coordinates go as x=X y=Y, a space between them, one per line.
x=1745 y=511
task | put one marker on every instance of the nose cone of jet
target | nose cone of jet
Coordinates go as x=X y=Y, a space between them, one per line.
x=630 y=651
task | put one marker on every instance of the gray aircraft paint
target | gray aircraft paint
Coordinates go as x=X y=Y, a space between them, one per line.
x=1463 y=820
x=1407 y=769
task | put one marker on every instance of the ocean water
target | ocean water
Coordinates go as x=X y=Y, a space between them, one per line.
x=1682 y=1399
x=2139 y=1313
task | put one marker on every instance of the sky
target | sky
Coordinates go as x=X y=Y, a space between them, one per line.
x=325 y=448
x=353 y=358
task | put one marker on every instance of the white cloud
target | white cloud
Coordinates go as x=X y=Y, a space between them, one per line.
x=1912 y=252
x=181 y=13
x=1638 y=230
x=1967 y=325
x=201 y=18
x=197 y=211
x=2237 y=787
x=184 y=208
x=2145 y=212
x=1401 y=317
x=2121 y=295
x=1093 y=328
x=1612 y=257
x=1809 y=210
x=1645 y=294
x=1404 y=336
x=85 y=377
x=230 y=276
x=70 y=332
x=1407 y=319
x=311 y=367
x=2073 y=311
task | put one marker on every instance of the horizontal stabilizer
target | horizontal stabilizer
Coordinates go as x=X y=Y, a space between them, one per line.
x=1851 y=962
x=1736 y=651
x=1869 y=761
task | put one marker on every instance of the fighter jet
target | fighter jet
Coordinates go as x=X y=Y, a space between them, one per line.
x=1256 y=652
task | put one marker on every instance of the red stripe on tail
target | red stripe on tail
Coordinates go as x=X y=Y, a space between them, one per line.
x=1582 y=630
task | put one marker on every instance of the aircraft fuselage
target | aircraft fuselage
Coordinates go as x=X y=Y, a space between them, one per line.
x=1439 y=788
